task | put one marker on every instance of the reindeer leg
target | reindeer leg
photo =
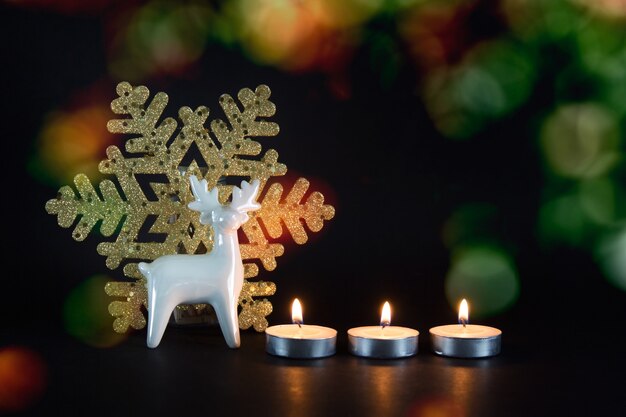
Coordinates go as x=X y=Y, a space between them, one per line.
x=159 y=311
x=225 y=306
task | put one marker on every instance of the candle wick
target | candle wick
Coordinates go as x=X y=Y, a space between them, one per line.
x=463 y=321
x=299 y=325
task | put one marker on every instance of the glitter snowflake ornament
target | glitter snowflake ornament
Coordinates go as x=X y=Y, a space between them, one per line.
x=142 y=208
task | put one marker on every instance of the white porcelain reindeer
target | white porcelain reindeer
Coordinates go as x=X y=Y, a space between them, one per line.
x=213 y=278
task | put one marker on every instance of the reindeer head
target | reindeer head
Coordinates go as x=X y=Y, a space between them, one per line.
x=228 y=217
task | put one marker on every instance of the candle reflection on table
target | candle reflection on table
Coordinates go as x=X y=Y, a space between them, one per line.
x=296 y=382
x=378 y=390
x=299 y=383
x=382 y=377
x=460 y=387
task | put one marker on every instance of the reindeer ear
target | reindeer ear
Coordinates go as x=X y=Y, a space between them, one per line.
x=254 y=190
x=253 y=186
x=195 y=205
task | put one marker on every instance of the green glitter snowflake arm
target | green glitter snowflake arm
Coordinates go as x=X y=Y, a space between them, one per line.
x=89 y=206
x=128 y=313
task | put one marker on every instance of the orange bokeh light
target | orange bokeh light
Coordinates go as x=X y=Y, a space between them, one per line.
x=22 y=378
x=74 y=141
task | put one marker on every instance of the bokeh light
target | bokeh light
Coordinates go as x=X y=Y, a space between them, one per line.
x=562 y=220
x=609 y=8
x=295 y=39
x=158 y=38
x=439 y=33
x=542 y=21
x=436 y=406
x=485 y=276
x=611 y=254
x=493 y=79
x=600 y=200
x=305 y=36
x=581 y=140
x=601 y=53
x=499 y=77
x=23 y=378
x=71 y=142
x=345 y=13
x=579 y=217
x=85 y=314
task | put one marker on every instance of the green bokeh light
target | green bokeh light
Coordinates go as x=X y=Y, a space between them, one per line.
x=160 y=38
x=563 y=220
x=602 y=53
x=486 y=277
x=493 y=80
x=581 y=140
x=598 y=199
x=85 y=314
x=540 y=20
x=511 y=68
x=611 y=255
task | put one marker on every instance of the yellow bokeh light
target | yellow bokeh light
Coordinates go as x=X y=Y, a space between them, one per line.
x=581 y=141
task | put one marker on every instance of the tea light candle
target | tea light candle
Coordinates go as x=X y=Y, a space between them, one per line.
x=384 y=341
x=298 y=340
x=465 y=340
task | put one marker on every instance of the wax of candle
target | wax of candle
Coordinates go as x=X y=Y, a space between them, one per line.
x=469 y=331
x=303 y=331
x=383 y=333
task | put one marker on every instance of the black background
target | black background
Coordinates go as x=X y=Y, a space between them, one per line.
x=393 y=181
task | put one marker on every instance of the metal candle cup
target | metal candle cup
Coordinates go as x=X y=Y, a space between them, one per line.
x=471 y=341
x=306 y=342
x=465 y=340
x=300 y=341
x=384 y=341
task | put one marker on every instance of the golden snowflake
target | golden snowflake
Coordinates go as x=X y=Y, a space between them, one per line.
x=143 y=205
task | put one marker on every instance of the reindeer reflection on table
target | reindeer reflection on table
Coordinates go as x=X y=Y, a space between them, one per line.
x=214 y=278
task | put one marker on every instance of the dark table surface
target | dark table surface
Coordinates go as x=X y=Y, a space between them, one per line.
x=192 y=372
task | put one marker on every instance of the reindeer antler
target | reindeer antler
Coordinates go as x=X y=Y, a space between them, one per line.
x=244 y=197
x=205 y=200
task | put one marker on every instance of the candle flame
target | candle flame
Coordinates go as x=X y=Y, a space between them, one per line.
x=463 y=312
x=385 y=317
x=296 y=312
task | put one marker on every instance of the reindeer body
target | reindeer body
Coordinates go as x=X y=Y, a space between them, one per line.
x=214 y=278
